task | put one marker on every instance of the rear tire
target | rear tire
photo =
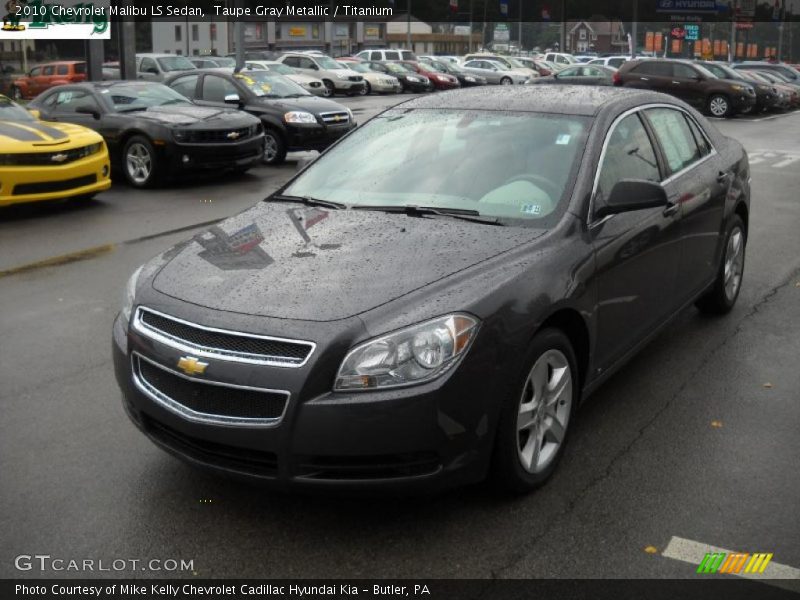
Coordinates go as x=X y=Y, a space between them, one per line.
x=534 y=423
x=506 y=81
x=721 y=298
x=330 y=89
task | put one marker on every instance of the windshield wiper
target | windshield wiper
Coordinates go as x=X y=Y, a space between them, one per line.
x=464 y=214
x=307 y=200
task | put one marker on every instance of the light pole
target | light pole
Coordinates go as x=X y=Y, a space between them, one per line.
x=408 y=27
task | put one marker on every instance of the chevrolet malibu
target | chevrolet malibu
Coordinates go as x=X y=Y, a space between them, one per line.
x=361 y=328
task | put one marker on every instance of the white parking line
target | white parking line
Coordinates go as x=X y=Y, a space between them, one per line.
x=692 y=552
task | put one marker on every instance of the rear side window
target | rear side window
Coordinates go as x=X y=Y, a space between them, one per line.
x=616 y=62
x=392 y=56
x=628 y=155
x=62 y=70
x=407 y=55
x=48 y=70
x=292 y=61
x=675 y=137
x=683 y=71
x=657 y=69
x=699 y=138
x=80 y=68
x=375 y=56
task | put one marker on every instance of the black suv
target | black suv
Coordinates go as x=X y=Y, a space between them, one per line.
x=293 y=119
x=689 y=82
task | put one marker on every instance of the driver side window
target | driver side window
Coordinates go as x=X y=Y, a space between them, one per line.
x=68 y=101
x=148 y=66
x=216 y=88
x=629 y=155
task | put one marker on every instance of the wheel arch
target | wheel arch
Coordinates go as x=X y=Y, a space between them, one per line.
x=744 y=214
x=574 y=326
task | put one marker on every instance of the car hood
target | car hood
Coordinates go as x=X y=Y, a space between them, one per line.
x=188 y=115
x=309 y=103
x=43 y=136
x=293 y=261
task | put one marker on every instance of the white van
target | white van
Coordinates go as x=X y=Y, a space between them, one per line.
x=386 y=54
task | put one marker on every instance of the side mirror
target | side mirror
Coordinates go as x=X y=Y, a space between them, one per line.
x=232 y=99
x=88 y=110
x=632 y=194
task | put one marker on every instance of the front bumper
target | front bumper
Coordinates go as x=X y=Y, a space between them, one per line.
x=303 y=137
x=197 y=157
x=345 y=85
x=742 y=102
x=39 y=183
x=423 y=438
x=385 y=88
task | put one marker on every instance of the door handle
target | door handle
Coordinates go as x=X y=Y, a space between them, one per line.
x=722 y=177
x=676 y=82
x=672 y=208
x=644 y=78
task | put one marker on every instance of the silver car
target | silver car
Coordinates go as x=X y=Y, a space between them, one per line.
x=157 y=67
x=494 y=72
x=310 y=84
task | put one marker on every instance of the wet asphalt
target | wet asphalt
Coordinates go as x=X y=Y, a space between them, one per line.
x=698 y=437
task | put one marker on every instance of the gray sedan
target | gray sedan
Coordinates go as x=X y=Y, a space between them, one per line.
x=494 y=72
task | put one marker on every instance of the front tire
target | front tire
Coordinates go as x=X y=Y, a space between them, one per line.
x=16 y=93
x=719 y=106
x=535 y=419
x=330 y=89
x=367 y=89
x=506 y=81
x=274 y=147
x=139 y=162
x=722 y=297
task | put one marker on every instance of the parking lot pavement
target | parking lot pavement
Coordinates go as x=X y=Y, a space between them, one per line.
x=695 y=439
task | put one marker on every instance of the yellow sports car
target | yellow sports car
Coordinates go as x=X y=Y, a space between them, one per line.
x=48 y=161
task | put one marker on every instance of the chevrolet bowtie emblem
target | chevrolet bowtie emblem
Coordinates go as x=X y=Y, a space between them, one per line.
x=233 y=135
x=337 y=118
x=59 y=158
x=191 y=366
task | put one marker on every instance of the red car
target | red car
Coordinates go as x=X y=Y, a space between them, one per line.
x=47 y=75
x=440 y=81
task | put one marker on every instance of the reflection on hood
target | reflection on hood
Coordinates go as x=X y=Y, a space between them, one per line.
x=235 y=252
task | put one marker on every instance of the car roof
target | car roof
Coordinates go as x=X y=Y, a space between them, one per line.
x=546 y=98
x=160 y=55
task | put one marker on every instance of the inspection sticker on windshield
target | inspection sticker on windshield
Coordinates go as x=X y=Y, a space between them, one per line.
x=531 y=209
x=563 y=139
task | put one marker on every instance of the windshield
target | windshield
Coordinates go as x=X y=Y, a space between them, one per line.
x=515 y=166
x=328 y=63
x=395 y=68
x=433 y=67
x=705 y=71
x=223 y=61
x=517 y=64
x=358 y=68
x=175 y=63
x=270 y=84
x=140 y=96
x=281 y=68
x=11 y=111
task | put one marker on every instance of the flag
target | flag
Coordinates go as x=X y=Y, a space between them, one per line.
x=454 y=6
x=545 y=13
x=504 y=7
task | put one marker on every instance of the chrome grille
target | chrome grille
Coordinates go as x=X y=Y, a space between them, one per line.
x=335 y=118
x=221 y=343
x=217 y=136
x=208 y=401
x=355 y=78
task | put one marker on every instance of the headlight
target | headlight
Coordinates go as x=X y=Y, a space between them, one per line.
x=181 y=135
x=130 y=294
x=299 y=116
x=738 y=88
x=471 y=79
x=407 y=357
x=414 y=79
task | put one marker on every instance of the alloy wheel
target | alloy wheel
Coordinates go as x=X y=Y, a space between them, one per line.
x=544 y=410
x=139 y=163
x=718 y=106
x=734 y=263
x=270 y=147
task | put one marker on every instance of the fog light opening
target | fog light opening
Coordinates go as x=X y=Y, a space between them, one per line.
x=105 y=170
x=186 y=159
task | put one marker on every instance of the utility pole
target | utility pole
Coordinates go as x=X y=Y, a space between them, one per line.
x=408 y=27
x=471 y=6
x=562 y=47
x=780 y=29
x=519 y=32
x=634 y=27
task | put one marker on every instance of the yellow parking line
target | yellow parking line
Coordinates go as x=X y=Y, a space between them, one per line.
x=61 y=259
